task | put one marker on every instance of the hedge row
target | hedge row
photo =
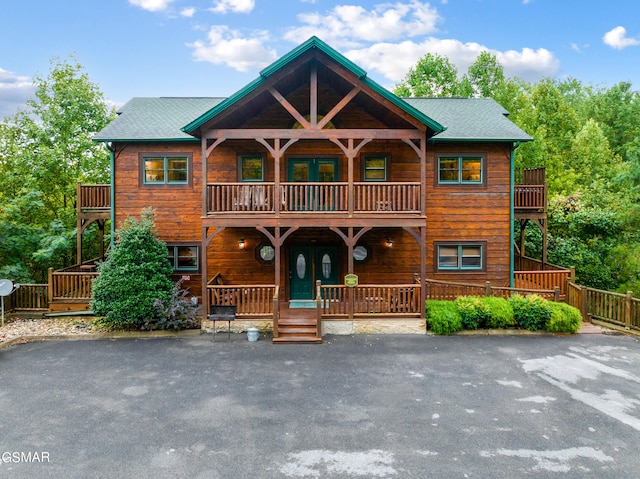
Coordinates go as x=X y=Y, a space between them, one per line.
x=530 y=312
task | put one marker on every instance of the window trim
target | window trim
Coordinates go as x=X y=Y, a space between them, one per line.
x=460 y=245
x=259 y=258
x=460 y=158
x=366 y=156
x=244 y=156
x=143 y=157
x=175 y=257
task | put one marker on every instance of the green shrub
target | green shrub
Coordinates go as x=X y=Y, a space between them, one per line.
x=530 y=312
x=135 y=275
x=177 y=313
x=564 y=318
x=474 y=312
x=500 y=313
x=443 y=317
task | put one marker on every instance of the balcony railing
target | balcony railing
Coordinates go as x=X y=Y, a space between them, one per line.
x=313 y=197
x=530 y=197
x=94 y=197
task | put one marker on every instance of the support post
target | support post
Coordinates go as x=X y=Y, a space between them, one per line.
x=627 y=312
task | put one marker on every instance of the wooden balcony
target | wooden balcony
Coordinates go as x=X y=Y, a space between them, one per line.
x=325 y=197
x=94 y=198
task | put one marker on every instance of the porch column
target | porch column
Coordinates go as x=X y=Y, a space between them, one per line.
x=423 y=270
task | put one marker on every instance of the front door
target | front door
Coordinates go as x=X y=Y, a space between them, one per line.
x=307 y=264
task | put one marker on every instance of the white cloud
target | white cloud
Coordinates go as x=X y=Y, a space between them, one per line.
x=617 y=38
x=393 y=60
x=188 y=12
x=227 y=47
x=353 y=25
x=151 y=5
x=234 y=6
x=14 y=92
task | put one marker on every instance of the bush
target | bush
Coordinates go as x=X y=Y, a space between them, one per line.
x=500 y=313
x=135 y=275
x=473 y=311
x=177 y=313
x=564 y=318
x=443 y=317
x=530 y=312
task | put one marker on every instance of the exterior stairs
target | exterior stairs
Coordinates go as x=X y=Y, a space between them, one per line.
x=297 y=326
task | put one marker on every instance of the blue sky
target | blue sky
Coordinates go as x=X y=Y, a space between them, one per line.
x=152 y=48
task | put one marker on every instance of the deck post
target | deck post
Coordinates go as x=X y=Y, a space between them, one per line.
x=487 y=288
x=627 y=309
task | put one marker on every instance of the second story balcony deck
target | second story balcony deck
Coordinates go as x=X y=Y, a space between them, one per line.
x=309 y=198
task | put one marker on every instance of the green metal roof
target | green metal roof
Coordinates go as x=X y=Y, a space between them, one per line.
x=156 y=119
x=470 y=119
x=313 y=42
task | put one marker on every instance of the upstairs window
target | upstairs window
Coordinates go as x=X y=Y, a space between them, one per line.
x=460 y=257
x=184 y=257
x=460 y=170
x=165 y=170
x=251 y=168
x=375 y=168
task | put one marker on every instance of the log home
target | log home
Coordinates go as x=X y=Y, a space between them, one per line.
x=314 y=173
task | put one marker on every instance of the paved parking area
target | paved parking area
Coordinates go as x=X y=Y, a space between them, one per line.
x=353 y=407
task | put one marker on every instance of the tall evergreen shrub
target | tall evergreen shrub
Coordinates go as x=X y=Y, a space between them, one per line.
x=134 y=275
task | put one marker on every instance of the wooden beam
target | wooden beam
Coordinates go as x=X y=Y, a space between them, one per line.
x=328 y=134
x=290 y=108
x=339 y=107
x=313 y=95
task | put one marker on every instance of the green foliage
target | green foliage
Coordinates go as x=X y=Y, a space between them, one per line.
x=178 y=312
x=500 y=313
x=530 y=312
x=473 y=311
x=443 y=317
x=432 y=76
x=134 y=276
x=44 y=151
x=564 y=318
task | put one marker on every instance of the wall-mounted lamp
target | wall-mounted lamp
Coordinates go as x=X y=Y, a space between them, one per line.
x=241 y=243
x=389 y=242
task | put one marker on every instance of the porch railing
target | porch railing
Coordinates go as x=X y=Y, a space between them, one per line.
x=328 y=197
x=94 y=197
x=251 y=300
x=530 y=197
x=450 y=291
x=29 y=297
x=547 y=279
x=74 y=286
x=618 y=309
x=369 y=299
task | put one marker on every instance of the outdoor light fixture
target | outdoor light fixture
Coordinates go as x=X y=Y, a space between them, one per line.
x=241 y=243
x=389 y=242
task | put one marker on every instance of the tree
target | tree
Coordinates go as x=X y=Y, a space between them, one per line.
x=134 y=276
x=44 y=151
x=432 y=76
x=485 y=75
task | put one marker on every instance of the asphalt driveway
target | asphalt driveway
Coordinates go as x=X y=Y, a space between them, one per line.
x=353 y=407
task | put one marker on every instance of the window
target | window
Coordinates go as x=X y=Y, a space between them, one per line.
x=251 y=168
x=361 y=253
x=375 y=168
x=184 y=257
x=165 y=170
x=460 y=170
x=460 y=257
x=265 y=253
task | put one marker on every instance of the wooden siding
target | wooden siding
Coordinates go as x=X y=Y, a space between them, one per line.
x=471 y=213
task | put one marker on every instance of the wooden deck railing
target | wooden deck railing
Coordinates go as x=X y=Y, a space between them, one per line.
x=313 y=197
x=547 y=279
x=618 y=309
x=70 y=285
x=251 y=300
x=29 y=297
x=450 y=291
x=94 y=197
x=530 y=197
x=371 y=299
x=525 y=263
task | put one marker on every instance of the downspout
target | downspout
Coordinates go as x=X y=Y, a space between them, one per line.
x=112 y=191
x=512 y=214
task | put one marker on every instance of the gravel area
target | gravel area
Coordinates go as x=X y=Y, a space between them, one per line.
x=16 y=327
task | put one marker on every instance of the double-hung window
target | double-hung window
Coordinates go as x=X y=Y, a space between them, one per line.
x=251 y=168
x=460 y=257
x=375 y=168
x=460 y=170
x=165 y=170
x=184 y=257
